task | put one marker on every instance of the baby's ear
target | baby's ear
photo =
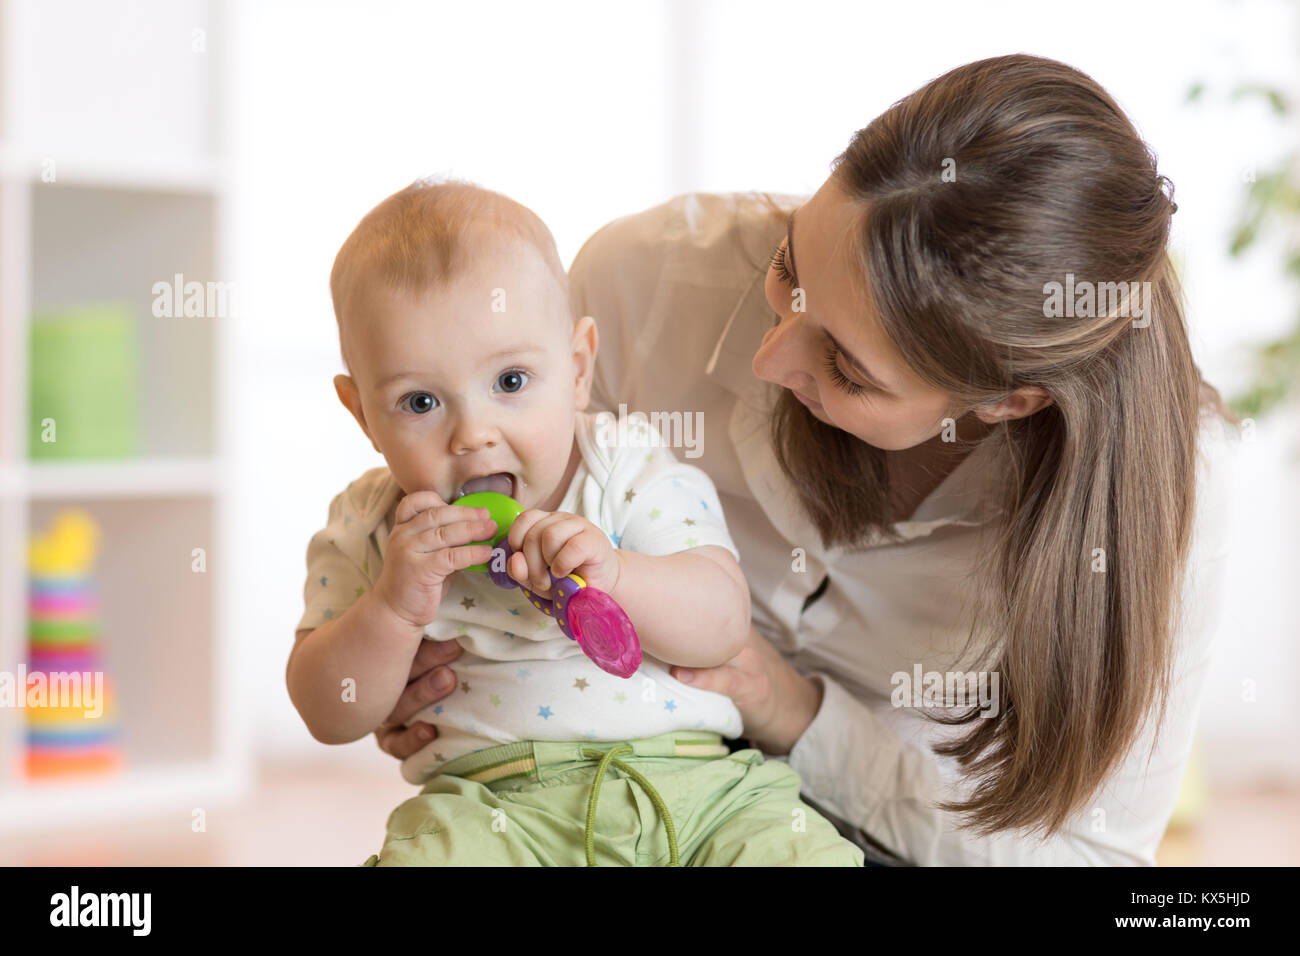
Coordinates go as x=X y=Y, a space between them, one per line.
x=350 y=396
x=586 y=343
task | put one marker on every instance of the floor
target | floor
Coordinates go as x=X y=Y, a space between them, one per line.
x=290 y=822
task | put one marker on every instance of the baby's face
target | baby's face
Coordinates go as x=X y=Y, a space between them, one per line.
x=480 y=376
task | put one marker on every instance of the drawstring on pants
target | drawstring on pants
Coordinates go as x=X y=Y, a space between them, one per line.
x=606 y=758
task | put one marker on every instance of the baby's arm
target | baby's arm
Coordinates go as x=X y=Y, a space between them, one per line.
x=345 y=676
x=690 y=608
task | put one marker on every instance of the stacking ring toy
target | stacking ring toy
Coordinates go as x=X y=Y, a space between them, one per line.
x=584 y=614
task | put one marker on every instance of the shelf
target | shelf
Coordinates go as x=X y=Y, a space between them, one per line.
x=126 y=99
x=95 y=75
x=140 y=478
x=140 y=173
x=132 y=793
x=157 y=629
x=91 y=244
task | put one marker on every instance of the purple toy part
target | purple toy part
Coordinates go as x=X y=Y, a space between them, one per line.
x=584 y=614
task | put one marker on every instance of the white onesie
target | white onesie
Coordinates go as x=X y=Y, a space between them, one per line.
x=520 y=677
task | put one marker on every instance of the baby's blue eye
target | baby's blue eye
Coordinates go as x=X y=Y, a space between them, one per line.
x=421 y=402
x=512 y=381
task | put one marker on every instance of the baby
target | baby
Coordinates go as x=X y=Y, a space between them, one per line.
x=467 y=372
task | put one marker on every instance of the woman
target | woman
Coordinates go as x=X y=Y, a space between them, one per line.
x=960 y=441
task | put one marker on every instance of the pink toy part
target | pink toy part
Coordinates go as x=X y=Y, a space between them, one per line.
x=584 y=614
x=603 y=631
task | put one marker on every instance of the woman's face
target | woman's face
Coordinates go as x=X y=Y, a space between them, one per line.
x=828 y=347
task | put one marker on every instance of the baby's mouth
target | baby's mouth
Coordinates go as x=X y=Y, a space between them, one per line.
x=501 y=482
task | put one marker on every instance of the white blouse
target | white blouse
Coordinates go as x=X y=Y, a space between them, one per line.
x=677 y=295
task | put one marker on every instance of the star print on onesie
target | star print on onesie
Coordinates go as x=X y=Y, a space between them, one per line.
x=531 y=682
x=519 y=677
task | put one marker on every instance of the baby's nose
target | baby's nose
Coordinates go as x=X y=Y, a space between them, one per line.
x=473 y=434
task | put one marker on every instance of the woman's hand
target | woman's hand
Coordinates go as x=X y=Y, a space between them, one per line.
x=776 y=702
x=422 y=689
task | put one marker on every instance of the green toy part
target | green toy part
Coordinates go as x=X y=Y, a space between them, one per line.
x=584 y=614
x=501 y=508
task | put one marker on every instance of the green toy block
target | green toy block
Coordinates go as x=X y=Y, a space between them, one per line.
x=84 y=383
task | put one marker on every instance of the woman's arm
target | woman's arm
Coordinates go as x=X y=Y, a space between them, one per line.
x=778 y=703
x=861 y=764
x=855 y=763
x=887 y=786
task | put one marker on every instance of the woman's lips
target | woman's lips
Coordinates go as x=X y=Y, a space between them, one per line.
x=816 y=406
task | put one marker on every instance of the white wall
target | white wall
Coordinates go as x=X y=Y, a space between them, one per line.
x=338 y=105
x=587 y=111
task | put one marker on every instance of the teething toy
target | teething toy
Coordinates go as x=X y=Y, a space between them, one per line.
x=584 y=614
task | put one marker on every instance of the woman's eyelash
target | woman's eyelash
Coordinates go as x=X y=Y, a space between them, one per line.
x=778 y=262
x=839 y=378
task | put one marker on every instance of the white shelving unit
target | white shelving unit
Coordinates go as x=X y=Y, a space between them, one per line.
x=125 y=99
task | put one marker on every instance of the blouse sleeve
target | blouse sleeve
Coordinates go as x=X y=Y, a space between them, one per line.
x=614 y=278
x=855 y=762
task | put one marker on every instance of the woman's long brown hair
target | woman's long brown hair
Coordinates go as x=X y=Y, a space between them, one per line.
x=1045 y=176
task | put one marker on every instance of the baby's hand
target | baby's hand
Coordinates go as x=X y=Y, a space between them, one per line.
x=565 y=543
x=429 y=542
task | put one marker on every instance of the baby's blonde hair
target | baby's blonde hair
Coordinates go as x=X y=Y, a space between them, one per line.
x=419 y=237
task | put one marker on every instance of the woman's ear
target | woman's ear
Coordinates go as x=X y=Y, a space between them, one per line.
x=585 y=345
x=348 y=394
x=1023 y=401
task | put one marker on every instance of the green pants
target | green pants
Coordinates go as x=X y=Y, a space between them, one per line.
x=676 y=799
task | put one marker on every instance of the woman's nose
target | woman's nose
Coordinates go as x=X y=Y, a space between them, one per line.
x=779 y=358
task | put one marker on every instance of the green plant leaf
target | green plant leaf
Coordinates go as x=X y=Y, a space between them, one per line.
x=1271 y=95
x=1242 y=239
x=1273 y=197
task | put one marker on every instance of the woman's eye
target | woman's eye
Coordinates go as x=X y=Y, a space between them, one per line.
x=778 y=263
x=512 y=381
x=420 y=402
x=841 y=380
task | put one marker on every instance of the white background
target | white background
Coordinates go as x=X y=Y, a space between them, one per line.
x=587 y=111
